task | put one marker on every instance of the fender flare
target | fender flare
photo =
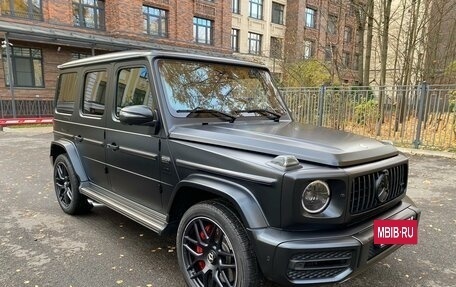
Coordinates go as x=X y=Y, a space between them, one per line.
x=242 y=199
x=73 y=155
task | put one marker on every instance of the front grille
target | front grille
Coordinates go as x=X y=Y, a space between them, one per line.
x=314 y=274
x=319 y=264
x=364 y=193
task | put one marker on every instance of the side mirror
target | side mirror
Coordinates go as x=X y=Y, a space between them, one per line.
x=138 y=115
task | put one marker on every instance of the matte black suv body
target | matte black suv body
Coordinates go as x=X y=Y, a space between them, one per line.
x=207 y=145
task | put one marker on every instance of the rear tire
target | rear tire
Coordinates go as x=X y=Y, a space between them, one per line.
x=213 y=248
x=66 y=185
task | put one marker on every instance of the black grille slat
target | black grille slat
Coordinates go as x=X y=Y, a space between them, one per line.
x=364 y=195
x=320 y=264
x=314 y=274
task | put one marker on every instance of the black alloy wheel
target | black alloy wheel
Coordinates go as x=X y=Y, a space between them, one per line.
x=66 y=185
x=63 y=184
x=214 y=249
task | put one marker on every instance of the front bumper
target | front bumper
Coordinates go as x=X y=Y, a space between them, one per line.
x=304 y=258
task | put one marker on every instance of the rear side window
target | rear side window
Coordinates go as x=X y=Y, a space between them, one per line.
x=66 y=93
x=95 y=93
x=133 y=88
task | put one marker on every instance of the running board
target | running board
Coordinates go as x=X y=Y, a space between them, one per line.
x=136 y=212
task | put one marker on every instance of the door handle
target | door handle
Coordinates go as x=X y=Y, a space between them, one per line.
x=113 y=146
x=78 y=138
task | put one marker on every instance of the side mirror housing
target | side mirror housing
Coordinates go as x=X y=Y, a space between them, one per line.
x=138 y=115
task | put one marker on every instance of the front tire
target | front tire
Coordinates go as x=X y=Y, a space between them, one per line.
x=213 y=248
x=66 y=185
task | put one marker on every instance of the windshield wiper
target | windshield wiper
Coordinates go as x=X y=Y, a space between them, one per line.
x=215 y=113
x=267 y=113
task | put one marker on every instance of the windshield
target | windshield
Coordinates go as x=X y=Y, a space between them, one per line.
x=230 y=89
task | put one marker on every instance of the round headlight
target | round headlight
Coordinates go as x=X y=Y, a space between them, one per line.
x=315 y=197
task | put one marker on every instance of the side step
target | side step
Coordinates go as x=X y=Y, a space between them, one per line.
x=149 y=218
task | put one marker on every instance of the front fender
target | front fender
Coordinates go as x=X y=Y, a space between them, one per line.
x=65 y=146
x=241 y=198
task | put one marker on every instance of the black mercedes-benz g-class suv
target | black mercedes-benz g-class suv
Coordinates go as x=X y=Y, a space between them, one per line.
x=207 y=146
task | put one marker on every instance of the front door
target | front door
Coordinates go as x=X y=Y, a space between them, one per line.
x=133 y=150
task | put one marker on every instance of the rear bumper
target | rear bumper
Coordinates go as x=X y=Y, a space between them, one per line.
x=305 y=258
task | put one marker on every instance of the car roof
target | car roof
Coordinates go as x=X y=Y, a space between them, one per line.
x=132 y=54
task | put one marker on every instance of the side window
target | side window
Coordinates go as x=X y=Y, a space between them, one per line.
x=95 y=93
x=133 y=88
x=66 y=93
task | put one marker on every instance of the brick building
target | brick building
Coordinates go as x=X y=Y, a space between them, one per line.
x=325 y=30
x=45 y=33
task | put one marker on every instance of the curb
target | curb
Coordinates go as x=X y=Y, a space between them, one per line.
x=422 y=152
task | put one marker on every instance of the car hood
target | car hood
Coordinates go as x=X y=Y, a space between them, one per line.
x=305 y=142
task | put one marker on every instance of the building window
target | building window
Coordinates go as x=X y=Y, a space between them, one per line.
x=356 y=62
x=276 y=48
x=95 y=93
x=348 y=33
x=256 y=9
x=155 y=21
x=254 y=43
x=330 y=51
x=235 y=40
x=332 y=24
x=311 y=18
x=352 y=10
x=202 y=30
x=277 y=13
x=346 y=59
x=309 y=49
x=27 y=67
x=29 y=9
x=235 y=7
x=77 y=56
x=89 y=14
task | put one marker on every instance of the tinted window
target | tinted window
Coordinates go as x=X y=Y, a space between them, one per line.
x=94 y=93
x=66 y=93
x=133 y=88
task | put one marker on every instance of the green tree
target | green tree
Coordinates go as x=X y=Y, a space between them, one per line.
x=306 y=73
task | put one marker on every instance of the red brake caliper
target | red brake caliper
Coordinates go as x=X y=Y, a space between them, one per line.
x=199 y=249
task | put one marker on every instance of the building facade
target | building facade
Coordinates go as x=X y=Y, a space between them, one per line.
x=326 y=31
x=38 y=35
x=258 y=31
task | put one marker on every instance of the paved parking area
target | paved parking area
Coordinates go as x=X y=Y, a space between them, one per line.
x=41 y=246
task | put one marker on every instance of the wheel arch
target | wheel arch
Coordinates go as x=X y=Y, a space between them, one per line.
x=199 y=187
x=67 y=147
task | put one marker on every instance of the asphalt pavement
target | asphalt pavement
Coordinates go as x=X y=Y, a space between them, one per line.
x=42 y=246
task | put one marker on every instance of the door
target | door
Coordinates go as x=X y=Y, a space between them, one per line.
x=89 y=128
x=133 y=150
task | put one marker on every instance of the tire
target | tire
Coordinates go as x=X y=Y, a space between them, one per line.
x=66 y=185
x=213 y=248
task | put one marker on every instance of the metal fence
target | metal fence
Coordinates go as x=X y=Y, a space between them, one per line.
x=419 y=116
x=27 y=108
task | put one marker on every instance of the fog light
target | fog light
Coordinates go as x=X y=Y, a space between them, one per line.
x=315 y=197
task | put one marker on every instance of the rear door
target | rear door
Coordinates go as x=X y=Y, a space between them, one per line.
x=133 y=151
x=90 y=124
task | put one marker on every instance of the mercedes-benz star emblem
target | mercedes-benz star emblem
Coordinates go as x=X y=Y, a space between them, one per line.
x=211 y=256
x=382 y=186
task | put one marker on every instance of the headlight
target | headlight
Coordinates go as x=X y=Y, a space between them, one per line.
x=315 y=197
